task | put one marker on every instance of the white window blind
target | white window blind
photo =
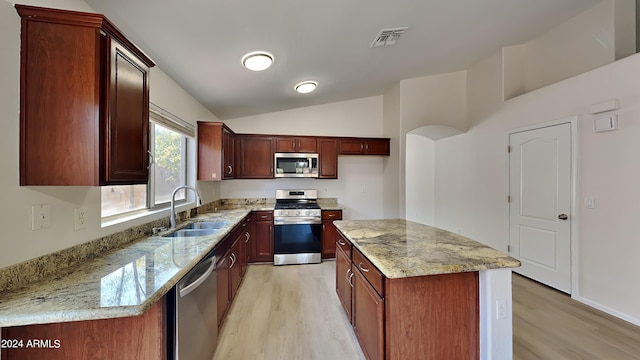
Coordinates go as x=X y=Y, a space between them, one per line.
x=168 y=120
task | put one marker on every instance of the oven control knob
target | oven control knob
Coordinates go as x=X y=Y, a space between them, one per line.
x=307 y=212
x=297 y=212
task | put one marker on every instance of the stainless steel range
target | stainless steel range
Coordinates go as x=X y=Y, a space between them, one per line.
x=297 y=220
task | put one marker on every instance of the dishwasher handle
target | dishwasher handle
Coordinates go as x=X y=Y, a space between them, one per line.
x=193 y=285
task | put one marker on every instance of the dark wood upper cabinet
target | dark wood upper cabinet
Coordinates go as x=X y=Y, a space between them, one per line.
x=328 y=158
x=215 y=151
x=299 y=144
x=84 y=101
x=364 y=146
x=254 y=156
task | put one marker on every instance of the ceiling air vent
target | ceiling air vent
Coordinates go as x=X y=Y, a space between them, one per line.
x=388 y=37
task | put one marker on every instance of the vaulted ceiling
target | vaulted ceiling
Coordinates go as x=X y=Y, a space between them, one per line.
x=200 y=43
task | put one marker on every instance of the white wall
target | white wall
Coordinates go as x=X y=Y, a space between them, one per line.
x=359 y=187
x=608 y=235
x=596 y=37
x=19 y=242
x=420 y=180
x=393 y=192
x=430 y=100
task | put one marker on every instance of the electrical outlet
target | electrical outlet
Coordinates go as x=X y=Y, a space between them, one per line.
x=501 y=309
x=40 y=217
x=80 y=219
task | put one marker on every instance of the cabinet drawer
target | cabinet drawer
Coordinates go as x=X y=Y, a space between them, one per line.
x=373 y=275
x=331 y=214
x=264 y=215
x=343 y=244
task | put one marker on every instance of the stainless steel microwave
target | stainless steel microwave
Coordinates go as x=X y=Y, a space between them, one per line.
x=296 y=165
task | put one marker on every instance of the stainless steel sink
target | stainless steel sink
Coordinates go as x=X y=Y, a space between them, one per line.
x=206 y=225
x=191 y=232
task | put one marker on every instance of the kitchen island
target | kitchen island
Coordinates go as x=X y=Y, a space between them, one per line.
x=415 y=291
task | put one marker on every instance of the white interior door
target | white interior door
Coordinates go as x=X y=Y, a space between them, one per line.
x=540 y=204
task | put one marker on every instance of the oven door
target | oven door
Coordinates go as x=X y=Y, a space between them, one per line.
x=295 y=243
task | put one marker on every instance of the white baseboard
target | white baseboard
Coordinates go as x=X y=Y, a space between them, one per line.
x=608 y=310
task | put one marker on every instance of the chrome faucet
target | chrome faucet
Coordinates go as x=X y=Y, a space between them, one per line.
x=172 y=218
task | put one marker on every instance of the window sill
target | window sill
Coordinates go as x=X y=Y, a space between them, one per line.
x=145 y=213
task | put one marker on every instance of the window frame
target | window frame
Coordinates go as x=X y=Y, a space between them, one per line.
x=159 y=116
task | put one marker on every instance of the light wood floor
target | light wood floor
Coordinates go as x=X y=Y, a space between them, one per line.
x=291 y=312
x=287 y=312
x=548 y=324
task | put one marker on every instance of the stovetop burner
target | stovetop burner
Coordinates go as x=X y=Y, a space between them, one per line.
x=296 y=205
x=293 y=204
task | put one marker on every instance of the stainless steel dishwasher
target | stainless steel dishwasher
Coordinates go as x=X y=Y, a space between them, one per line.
x=196 y=313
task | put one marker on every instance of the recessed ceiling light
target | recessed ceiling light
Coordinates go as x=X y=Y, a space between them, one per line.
x=257 y=60
x=306 y=87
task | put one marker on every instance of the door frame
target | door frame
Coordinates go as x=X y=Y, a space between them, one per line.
x=574 y=183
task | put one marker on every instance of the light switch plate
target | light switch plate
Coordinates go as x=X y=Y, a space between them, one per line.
x=606 y=123
x=40 y=217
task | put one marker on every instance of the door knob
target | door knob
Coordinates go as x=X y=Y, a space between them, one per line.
x=563 y=217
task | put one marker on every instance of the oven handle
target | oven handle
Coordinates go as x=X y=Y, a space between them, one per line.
x=298 y=220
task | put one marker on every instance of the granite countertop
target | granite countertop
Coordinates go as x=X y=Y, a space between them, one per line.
x=401 y=248
x=124 y=282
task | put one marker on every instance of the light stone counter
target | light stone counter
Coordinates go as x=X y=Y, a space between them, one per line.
x=401 y=248
x=123 y=282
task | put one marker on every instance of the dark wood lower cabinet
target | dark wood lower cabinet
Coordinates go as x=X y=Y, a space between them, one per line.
x=368 y=317
x=135 y=337
x=344 y=279
x=329 y=232
x=441 y=312
x=263 y=230
x=429 y=317
x=223 y=286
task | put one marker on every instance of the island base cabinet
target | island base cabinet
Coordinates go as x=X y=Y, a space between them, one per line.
x=368 y=318
x=433 y=317
x=344 y=279
x=136 y=337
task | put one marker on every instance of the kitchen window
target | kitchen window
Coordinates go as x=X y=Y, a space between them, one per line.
x=170 y=138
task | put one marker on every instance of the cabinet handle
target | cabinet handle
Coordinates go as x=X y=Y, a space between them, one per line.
x=346 y=275
x=362 y=268
x=230 y=169
x=331 y=215
x=361 y=147
x=350 y=277
x=322 y=227
x=341 y=243
x=247 y=236
x=366 y=146
x=151 y=159
x=233 y=260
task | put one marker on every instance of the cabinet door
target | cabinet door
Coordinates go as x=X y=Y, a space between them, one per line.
x=307 y=145
x=376 y=147
x=254 y=159
x=329 y=232
x=344 y=281
x=368 y=317
x=228 y=153
x=328 y=158
x=286 y=144
x=223 y=286
x=351 y=146
x=125 y=123
x=264 y=236
x=235 y=268
x=245 y=239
